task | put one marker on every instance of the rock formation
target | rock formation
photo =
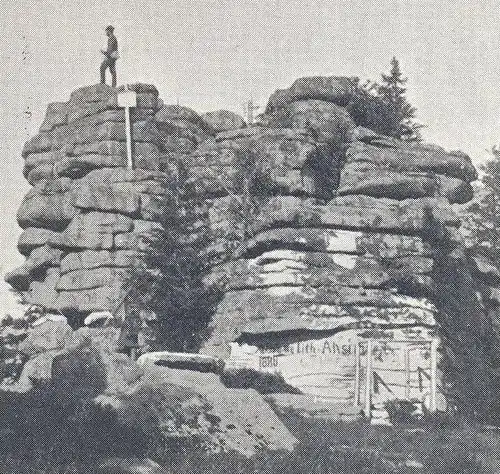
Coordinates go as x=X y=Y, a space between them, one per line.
x=348 y=240
x=324 y=228
x=83 y=218
x=346 y=230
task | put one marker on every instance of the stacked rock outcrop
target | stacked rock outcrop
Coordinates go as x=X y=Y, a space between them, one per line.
x=323 y=227
x=349 y=227
x=83 y=216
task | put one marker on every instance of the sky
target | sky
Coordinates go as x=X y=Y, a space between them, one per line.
x=213 y=54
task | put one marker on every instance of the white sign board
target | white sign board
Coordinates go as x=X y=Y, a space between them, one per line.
x=127 y=98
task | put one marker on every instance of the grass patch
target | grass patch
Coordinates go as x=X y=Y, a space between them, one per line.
x=435 y=446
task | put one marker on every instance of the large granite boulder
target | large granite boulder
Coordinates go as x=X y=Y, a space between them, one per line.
x=338 y=90
x=34 y=237
x=49 y=336
x=39 y=261
x=55 y=351
x=223 y=120
x=359 y=248
x=47 y=205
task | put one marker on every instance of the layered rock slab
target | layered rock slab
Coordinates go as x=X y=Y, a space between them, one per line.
x=379 y=166
x=84 y=217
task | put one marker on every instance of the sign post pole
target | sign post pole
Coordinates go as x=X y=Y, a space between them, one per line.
x=130 y=161
x=127 y=99
x=407 y=371
x=369 y=379
x=432 y=401
x=356 y=372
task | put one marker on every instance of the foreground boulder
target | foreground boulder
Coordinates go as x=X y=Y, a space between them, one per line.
x=53 y=348
x=234 y=419
x=188 y=404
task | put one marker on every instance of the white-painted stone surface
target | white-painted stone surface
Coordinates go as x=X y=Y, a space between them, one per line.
x=344 y=260
x=326 y=368
x=343 y=241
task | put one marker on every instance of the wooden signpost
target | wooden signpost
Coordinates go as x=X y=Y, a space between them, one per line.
x=406 y=350
x=369 y=379
x=432 y=401
x=357 y=373
x=127 y=99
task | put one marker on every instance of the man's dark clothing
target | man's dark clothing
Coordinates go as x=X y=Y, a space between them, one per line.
x=109 y=61
x=111 y=64
x=112 y=44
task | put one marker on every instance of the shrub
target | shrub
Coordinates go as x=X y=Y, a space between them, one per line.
x=400 y=411
x=12 y=333
x=168 y=278
x=369 y=110
x=58 y=424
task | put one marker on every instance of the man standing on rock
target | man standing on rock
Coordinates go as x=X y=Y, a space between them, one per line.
x=111 y=56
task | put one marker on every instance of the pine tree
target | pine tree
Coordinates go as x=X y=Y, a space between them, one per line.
x=481 y=228
x=384 y=107
x=399 y=119
x=169 y=276
x=483 y=220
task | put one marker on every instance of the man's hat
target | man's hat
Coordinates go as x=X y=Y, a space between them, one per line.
x=110 y=28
